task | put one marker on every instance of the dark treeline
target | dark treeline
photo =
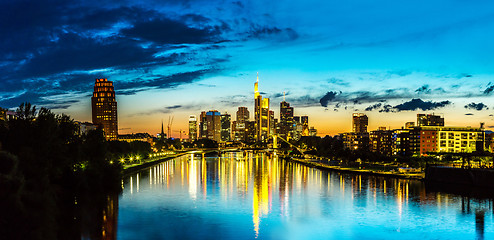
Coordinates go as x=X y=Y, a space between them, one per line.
x=46 y=167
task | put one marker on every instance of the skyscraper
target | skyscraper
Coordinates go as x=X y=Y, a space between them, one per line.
x=242 y=114
x=104 y=108
x=261 y=114
x=192 y=128
x=203 y=127
x=286 y=119
x=213 y=125
x=305 y=125
x=360 y=122
x=226 y=127
x=239 y=126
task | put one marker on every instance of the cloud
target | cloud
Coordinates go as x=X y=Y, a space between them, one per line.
x=167 y=31
x=417 y=103
x=170 y=109
x=337 y=81
x=328 y=97
x=424 y=89
x=464 y=75
x=260 y=32
x=489 y=89
x=477 y=106
x=469 y=114
x=372 y=107
x=74 y=52
x=162 y=81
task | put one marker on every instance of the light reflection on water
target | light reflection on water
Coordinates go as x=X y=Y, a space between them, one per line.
x=253 y=195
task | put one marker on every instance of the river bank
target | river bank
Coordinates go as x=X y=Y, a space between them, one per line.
x=417 y=176
x=137 y=167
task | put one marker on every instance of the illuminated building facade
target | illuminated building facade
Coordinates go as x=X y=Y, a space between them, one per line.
x=429 y=120
x=192 y=128
x=250 y=131
x=272 y=123
x=203 y=127
x=360 y=123
x=239 y=126
x=381 y=141
x=261 y=114
x=312 y=132
x=213 y=125
x=286 y=120
x=104 y=108
x=226 y=130
x=305 y=125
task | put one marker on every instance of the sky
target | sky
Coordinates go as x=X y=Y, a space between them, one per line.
x=387 y=59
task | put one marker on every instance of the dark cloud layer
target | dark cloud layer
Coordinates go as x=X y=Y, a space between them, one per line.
x=372 y=107
x=50 y=48
x=476 y=106
x=328 y=97
x=424 y=89
x=489 y=89
x=416 y=104
x=167 y=31
x=412 y=105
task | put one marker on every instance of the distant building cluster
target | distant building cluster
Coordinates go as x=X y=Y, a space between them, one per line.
x=219 y=127
x=428 y=136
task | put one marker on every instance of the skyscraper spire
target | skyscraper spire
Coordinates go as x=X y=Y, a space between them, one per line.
x=162 y=135
x=283 y=96
x=256 y=86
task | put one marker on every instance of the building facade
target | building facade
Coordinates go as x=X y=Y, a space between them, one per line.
x=359 y=123
x=213 y=125
x=305 y=125
x=226 y=130
x=429 y=120
x=239 y=126
x=192 y=128
x=286 y=120
x=104 y=108
x=261 y=114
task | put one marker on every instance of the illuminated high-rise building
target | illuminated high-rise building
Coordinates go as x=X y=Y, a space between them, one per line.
x=272 y=122
x=429 y=120
x=226 y=129
x=261 y=114
x=104 y=108
x=360 y=122
x=305 y=125
x=192 y=128
x=203 y=127
x=286 y=119
x=212 y=125
x=239 y=126
x=242 y=115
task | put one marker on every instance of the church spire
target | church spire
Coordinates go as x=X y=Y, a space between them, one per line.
x=162 y=136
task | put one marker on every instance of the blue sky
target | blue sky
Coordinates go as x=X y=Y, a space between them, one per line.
x=389 y=59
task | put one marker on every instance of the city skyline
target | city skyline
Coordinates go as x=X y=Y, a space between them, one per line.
x=388 y=60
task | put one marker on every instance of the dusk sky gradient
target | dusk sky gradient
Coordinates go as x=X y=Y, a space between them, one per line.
x=388 y=59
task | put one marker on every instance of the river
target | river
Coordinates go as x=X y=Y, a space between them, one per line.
x=249 y=195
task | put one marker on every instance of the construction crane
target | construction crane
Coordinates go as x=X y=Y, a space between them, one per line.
x=169 y=126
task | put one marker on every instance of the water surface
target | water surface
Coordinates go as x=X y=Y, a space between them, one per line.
x=247 y=195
